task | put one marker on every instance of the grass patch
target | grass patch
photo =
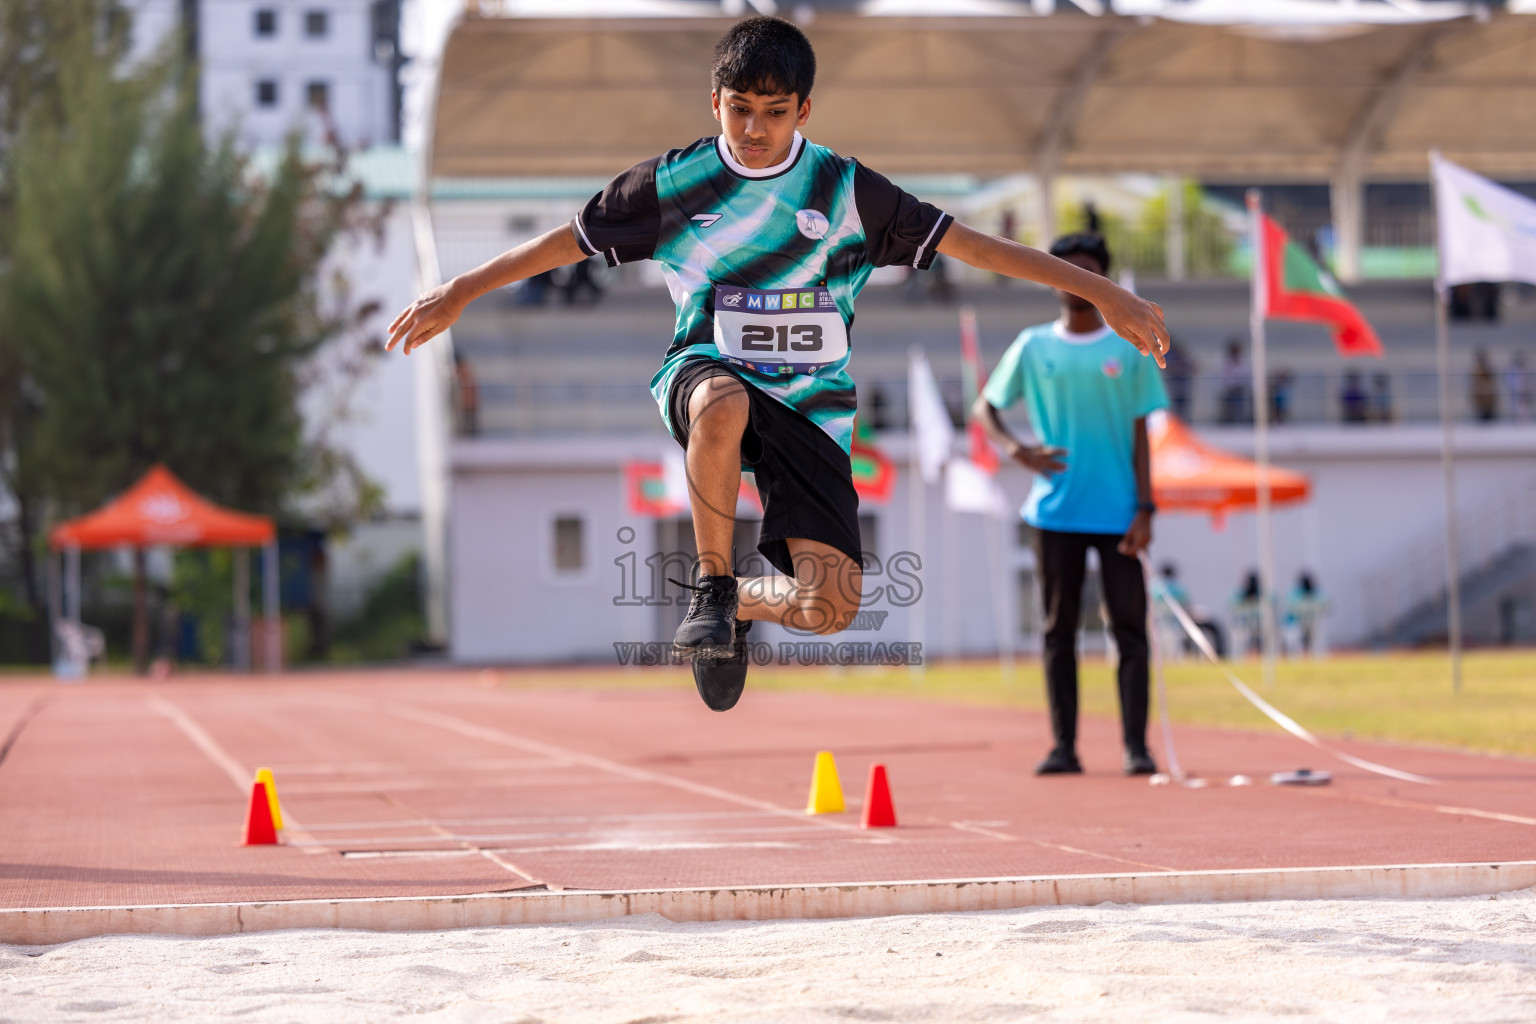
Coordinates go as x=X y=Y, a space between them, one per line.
x=1399 y=698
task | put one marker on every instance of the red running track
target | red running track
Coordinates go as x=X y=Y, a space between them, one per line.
x=416 y=784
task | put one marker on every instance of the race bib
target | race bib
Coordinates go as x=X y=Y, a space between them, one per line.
x=779 y=332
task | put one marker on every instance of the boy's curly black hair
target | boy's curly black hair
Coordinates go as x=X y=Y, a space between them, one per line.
x=1086 y=243
x=768 y=56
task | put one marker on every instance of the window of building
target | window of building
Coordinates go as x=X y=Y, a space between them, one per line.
x=569 y=554
x=317 y=96
x=317 y=24
x=266 y=22
x=266 y=92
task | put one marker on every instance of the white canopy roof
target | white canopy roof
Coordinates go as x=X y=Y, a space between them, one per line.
x=1271 y=89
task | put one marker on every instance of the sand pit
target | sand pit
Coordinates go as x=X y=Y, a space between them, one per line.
x=1343 y=960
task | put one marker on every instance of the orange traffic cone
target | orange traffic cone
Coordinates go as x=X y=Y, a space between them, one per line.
x=878 y=811
x=259 y=830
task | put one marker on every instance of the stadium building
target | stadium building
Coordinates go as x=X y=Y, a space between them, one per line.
x=1017 y=117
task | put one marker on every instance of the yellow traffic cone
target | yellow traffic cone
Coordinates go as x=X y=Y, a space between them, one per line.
x=826 y=791
x=265 y=775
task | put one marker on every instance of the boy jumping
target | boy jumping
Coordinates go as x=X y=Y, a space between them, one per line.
x=765 y=239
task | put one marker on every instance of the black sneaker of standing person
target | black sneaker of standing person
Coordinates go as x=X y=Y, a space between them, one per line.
x=708 y=630
x=1139 y=762
x=1060 y=762
x=721 y=680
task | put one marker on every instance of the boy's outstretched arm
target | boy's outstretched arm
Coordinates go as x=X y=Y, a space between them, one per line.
x=1133 y=318
x=436 y=311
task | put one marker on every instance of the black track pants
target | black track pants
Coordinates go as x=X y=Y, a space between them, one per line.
x=1062 y=561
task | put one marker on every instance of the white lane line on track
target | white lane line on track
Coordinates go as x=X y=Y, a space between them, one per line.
x=406 y=854
x=578 y=848
x=981 y=830
x=488 y=734
x=1470 y=812
x=237 y=772
x=568 y=819
x=516 y=837
x=419 y=785
x=496 y=764
x=575 y=848
x=490 y=855
x=634 y=847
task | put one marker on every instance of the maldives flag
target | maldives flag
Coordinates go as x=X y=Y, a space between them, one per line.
x=1296 y=288
x=873 y=474
x=972 y=379
x=660 y=489
x=645 y=483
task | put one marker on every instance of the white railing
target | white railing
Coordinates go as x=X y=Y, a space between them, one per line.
x=1488 y=525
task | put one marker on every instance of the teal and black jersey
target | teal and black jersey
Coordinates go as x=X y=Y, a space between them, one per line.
x=817 y=222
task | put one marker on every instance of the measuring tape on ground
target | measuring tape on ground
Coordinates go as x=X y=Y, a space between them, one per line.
x=1274 y=714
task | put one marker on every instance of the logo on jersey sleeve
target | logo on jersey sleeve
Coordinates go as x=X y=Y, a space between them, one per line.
x=705 y=220
x=1112 y=367
x=812 y=223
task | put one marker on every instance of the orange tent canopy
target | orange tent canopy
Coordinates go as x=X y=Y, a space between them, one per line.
x=160 y=509
x=1189 y=475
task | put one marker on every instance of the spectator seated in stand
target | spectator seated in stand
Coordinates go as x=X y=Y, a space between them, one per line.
x=1354 y=403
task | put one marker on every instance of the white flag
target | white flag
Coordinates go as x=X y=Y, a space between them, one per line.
x=1487 y=232
x=969 y=488
x=932 y=431
x=674 y=475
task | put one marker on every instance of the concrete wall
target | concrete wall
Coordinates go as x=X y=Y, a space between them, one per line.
x=508 y=600
x=364 y=403
x=1377 y=495
x=1378 y=504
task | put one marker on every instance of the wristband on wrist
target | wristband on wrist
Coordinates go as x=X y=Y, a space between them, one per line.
x=1147 y=507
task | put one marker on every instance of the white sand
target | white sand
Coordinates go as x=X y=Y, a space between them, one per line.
x=1348 y=960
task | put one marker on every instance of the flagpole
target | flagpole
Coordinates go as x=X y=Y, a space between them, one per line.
x=996 y=539
x=971 y=382
x=949 y=610
x=1265 y=525
x=917 y=498
x=1447 y=446
x=1448 y=464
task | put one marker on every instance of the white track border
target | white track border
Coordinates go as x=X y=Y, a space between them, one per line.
x=46 y=926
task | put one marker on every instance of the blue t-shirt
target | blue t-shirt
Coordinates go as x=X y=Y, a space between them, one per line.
x=1083 y=393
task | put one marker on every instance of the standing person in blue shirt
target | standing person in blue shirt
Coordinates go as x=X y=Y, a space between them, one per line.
x=1087 y=394
x=765 y=239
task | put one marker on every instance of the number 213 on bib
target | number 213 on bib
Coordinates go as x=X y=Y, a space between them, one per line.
x=779 y=332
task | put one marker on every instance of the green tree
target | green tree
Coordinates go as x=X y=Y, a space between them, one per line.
x=35 y=39
x=162 y=296
x=1207 y=241
x=1141 y=242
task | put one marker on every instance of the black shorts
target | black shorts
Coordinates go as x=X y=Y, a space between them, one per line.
x=804 y=479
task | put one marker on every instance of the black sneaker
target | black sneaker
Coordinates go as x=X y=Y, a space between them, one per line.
x=707 y=630
x=721 y=680
x=1059 y=762
x=1139 y=762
